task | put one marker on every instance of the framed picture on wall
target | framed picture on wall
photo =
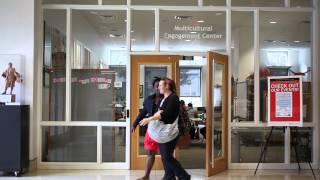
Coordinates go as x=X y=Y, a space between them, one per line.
x=141 y=91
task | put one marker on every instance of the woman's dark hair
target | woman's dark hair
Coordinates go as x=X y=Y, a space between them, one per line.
x=155 y=79
x=190 y=105
x=182 y=103
x=171 y=83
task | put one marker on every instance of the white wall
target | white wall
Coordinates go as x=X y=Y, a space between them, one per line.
x=84 y=32
x=299 y=59
x=243 y=62
x=17 y=37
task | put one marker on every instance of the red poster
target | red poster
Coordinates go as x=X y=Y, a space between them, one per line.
x=285 y=101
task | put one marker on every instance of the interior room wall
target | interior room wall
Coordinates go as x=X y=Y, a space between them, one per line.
x=82 y=31
x=17 y=34
x=243 y=62
x=246 y=52
x=298 y=58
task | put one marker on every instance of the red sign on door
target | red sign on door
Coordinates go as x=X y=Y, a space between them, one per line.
x=285 y=101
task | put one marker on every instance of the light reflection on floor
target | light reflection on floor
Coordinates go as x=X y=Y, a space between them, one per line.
x=157 y=175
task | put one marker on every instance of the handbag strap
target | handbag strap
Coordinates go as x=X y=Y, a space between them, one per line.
x=176 y=121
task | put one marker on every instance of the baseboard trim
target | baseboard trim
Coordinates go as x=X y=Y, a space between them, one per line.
x=32 y=165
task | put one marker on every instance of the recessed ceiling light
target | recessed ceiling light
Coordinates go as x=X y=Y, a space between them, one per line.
x=273 y=22
x=182 y=17
x=107 y=17
x=93 y=12
x=133 y=39
x=193 y=32
x=296 y=41
x=116 y=35
x=188 y=40
x=270 y=41
x=219 y=14
x=132 y=31
x=201 y=21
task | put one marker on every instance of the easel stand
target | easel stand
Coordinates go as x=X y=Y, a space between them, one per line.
x=298 y=139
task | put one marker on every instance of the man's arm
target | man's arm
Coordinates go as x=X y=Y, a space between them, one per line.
x=16 y=73
x=4 y=74
x=141 y=115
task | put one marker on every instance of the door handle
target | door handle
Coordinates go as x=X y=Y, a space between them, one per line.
x=212 y=141
x=128 y=113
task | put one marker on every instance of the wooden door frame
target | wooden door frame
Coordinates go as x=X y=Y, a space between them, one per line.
x=219 y=164
x=137 y=161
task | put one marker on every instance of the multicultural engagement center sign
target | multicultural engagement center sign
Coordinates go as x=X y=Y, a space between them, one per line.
x=285 y=101
x=186 y=32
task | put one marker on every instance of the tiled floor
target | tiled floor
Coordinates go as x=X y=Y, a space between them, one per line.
x=156 y=175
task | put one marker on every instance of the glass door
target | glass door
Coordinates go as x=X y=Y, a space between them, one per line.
x=143 y=70
x=217 y=114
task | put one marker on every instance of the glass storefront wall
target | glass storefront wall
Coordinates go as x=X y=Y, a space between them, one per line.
x=261 y=43
x=98 y=87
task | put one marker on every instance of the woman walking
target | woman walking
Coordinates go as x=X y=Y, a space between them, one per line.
x=163 y=128
x=150 y=106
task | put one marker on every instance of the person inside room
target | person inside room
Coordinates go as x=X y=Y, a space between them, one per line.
x=191 y=111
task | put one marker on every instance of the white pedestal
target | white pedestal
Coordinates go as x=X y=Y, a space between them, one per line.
x=7 y=98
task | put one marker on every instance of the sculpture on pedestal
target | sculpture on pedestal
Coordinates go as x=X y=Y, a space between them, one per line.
x=11 y=76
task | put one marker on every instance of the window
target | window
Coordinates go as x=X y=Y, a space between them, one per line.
x=193 y=31
x=54 y=66
x=285 y=49
x=77 y=54
x=91 y=2
x=301 y=138
x=242 y=57
x=87 y=57
x=69 y=144
x=190 y=82
x=277 y=58
x=301 y=3
x=82 y=56
x=246 y=145
x=97 y=91
x=149 y=73
x=258 y=3
x=214 y=2
x=114 y=2
x=166 y=2
x=142 y=37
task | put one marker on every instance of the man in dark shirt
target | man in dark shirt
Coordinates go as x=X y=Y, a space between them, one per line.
x=150 y=106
